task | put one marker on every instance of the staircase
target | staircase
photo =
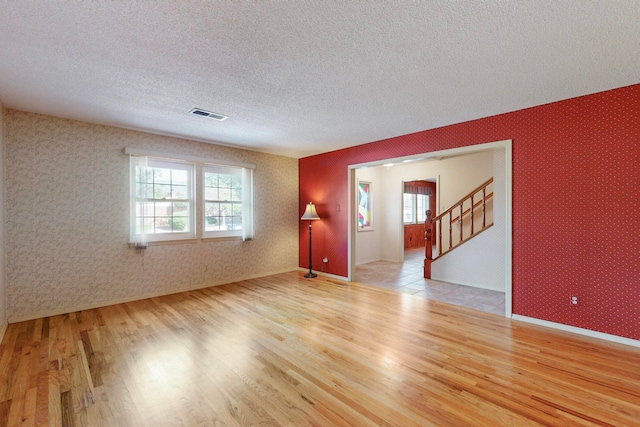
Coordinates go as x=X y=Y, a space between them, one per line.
x=464 y=220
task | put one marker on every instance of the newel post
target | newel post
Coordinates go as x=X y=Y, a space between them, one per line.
x=428 y=245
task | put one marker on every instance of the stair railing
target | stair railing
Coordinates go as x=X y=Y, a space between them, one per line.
x=463 y=215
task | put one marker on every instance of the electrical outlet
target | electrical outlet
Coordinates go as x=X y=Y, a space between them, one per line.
x=575 y=300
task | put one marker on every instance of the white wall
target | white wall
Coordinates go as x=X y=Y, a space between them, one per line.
x=368 y=241
x=3 y=294
x=481 y=262
x=67 y=208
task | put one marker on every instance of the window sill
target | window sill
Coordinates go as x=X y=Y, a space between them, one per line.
x=185 y=241
x=166 y=242
x=221 y=238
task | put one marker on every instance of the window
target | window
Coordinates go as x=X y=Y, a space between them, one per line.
x=222 y=201
x=414 y=207
x=422 y=204
x=166 y=206
x=163 y=208
x=415 y=201
x=409 y=208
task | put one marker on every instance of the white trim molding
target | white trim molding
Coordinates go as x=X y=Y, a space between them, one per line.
x=327 y=275
x=173 y=156
x=578 y=331
x=505 y=145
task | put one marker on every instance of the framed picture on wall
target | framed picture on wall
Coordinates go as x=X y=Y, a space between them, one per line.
x=365 y=206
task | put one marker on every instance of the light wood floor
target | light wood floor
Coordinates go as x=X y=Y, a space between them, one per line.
x=285 y=350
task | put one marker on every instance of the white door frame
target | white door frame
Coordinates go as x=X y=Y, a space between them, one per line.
x=506 y=145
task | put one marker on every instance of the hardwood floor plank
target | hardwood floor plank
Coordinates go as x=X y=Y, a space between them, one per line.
x=41 y=408
x=288 y=351
x=54 y=400
x=29 y=409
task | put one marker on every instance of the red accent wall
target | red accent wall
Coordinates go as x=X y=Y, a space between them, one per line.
x=576 y=204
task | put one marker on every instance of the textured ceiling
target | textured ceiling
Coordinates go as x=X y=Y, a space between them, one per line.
x=304 y=77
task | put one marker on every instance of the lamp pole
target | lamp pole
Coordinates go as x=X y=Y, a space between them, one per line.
x=310 y=274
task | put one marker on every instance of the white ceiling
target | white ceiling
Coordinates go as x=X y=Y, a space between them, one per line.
x=304 y=77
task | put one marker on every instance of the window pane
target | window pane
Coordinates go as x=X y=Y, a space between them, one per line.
x=212 y=217
x=212 y=209
x=144 y=175
x=408 y=210
x=210 y=179
x=144 y=191
x=180 y=209
x=212 y=224
x=223 y=199
x=144 y=209
x=179 y=177
x=211 y=193
x=161 y=224
x=423 y=205
x=236 y=194
x=160 y=183
x=179 y=192
x=226 y=209
x=225 y=180
x=179 y=223
x=162 y=176
x=225 y=194
x=162 y=191
x=236 y=185
x=163 y=208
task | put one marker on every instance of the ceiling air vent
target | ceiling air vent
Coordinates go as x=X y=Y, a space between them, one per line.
x=209 y=114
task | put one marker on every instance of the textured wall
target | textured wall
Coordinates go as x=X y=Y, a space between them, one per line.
x=3 y=294
x=576 y=186
x=67 y=207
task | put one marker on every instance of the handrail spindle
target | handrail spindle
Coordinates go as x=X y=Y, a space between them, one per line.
x=460 y=224
x=484 y=201
x=450 y=230
x=439 y=237
x=472 y=214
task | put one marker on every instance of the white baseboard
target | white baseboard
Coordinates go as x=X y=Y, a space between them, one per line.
x=471 y=285
x=3 y=329
x=579 y=331
x=321 y=273
x=136 y=298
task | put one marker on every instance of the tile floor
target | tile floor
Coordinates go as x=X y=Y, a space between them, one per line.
x=407 y=277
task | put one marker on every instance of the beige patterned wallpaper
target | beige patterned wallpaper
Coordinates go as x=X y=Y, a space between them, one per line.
x=3 y=285
x=67 y=207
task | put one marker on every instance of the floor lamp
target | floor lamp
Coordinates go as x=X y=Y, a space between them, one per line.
x=310 y=214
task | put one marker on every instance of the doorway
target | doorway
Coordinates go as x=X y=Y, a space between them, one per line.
x=418 y=196
x=392 y=248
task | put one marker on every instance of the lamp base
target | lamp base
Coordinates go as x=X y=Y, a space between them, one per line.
x=310 y=275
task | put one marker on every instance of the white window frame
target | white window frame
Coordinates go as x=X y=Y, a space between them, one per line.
x=197 y=200
x=190 y=201
x=221 y=170
x=404 y=208
x=415 y=213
